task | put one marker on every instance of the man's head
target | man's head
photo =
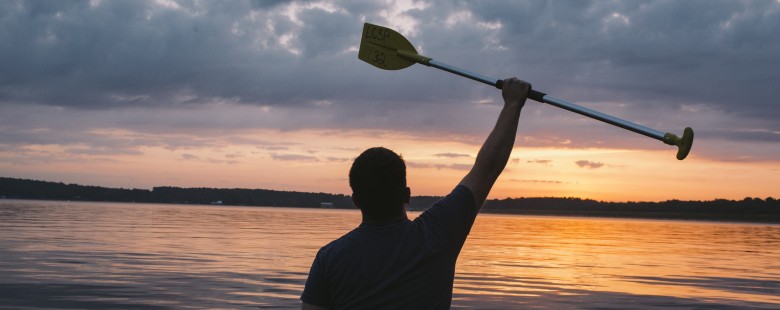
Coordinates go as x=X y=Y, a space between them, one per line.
x=378 y=182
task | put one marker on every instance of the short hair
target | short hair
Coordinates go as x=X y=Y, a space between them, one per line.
x=378 y=182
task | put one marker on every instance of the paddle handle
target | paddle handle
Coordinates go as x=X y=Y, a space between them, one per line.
x=683 y=144
x=563 y=104
x=609 y=119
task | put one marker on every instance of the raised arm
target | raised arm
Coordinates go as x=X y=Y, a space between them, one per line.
x=494 y=154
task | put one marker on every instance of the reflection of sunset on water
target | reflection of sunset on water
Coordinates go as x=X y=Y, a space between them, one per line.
x=578 y=257
x=227 y=257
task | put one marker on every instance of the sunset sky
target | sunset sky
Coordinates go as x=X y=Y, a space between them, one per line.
x=271 y=94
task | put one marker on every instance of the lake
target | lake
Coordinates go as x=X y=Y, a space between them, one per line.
x=155 y=256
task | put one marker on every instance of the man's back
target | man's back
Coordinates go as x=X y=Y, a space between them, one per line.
x=402 y=264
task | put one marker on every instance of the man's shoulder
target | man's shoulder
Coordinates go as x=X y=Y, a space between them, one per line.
x=344 y=243
x=459 y=200
x=448 y=222
x=461 y=194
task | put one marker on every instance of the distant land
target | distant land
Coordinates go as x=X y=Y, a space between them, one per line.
x=750 y=209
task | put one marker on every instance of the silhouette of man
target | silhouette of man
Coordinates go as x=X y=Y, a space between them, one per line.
x=391 y=262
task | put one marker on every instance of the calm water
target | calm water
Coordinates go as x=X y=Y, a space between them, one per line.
x=101 y=255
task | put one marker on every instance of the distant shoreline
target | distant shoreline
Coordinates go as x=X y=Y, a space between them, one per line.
x=750 y=210
x=709 y=217
x=773 y=219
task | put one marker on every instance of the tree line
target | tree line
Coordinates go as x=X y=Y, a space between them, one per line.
x=750 y=208
x=32 y=189
x=747 y=209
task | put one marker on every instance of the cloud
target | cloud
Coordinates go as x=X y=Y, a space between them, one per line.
x=88 y=150
x=185 y=69
x=538 y=181
x=544 y=162
x=294 y=157
x=589 y=164
x=222 y=161
x=459 y=167
x=451 y=155
x=274 y=148
x=657 y=41
x=149 y=54
x=339 y=159
x=114 y=54
x=192 y=157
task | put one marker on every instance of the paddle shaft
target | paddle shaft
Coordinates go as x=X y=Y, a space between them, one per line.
x=542 y=97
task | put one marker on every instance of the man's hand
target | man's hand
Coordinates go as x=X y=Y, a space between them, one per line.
x=515 y=91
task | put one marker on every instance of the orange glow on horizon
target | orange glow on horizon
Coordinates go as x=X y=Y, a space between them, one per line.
x=318 y=161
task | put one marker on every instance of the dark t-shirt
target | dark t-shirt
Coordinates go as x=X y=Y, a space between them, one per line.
x=400 y=265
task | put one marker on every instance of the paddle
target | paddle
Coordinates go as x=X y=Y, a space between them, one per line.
x=387 y=49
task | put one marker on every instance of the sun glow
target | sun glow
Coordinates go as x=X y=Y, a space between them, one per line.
x=319 y=160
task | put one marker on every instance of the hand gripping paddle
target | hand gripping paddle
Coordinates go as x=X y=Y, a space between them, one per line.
x=387 y=49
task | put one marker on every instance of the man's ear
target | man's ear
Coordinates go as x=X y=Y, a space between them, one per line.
x=407 y=195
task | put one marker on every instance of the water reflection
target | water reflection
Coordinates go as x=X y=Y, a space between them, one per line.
x=584 y=260
x=95 y=255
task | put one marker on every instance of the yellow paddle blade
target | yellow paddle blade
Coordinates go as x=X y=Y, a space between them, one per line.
x=381 y=46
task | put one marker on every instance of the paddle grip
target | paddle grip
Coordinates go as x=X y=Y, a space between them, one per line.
x=534 y=95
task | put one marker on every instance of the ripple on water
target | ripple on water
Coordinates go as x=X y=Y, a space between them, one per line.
x=142 y=256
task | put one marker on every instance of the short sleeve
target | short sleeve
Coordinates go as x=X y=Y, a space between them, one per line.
x=315 y=291
x=450 y=219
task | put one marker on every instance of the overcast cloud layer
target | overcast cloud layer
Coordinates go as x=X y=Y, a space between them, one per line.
x=69 y=67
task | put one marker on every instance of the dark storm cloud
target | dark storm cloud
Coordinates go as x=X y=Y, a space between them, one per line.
x=648 y=62
x=129 y=53
x=668 y=53
x=142 y=53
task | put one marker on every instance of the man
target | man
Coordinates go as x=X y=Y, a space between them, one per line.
x=390 y=262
